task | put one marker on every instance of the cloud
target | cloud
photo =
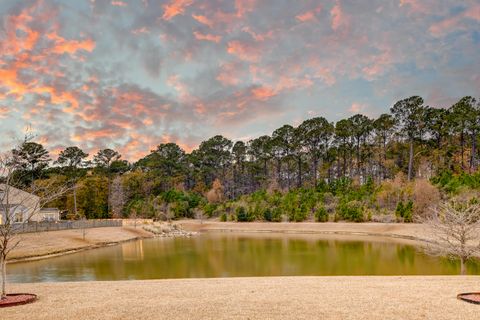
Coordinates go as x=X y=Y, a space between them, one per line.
x=244 y=51
x=339 y=18
x=119 y=3
x=174 y=8
x=207 y=37
x=309 y=15
x=203 y=20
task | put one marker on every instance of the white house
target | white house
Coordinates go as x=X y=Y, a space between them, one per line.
x=23 y=206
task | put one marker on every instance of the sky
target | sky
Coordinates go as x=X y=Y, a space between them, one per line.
x=129 y=75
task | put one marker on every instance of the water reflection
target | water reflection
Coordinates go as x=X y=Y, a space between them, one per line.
x=232 y=255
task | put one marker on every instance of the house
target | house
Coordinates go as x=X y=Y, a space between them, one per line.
x=23 y=206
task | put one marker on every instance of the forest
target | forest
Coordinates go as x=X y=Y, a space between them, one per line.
x=392 y=168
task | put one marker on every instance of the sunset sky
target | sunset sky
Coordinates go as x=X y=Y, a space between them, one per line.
x=130 y=75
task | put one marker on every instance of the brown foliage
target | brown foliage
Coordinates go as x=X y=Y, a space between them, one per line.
x=215 y=195
x=425 y=195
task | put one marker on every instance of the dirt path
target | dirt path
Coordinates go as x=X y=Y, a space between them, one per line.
x=42 y=244
x=253 y=298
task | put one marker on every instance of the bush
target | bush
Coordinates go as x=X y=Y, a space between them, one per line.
x=242 y=215
x=209 y=209
x=223 y=217
x=267 y=215
x=298 y=215
x=350 y=211
x=425 y=195
x=321 y=214
x=405 y=211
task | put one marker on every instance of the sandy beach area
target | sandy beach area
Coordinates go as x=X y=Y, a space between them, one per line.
x=53 y=243
x=396 y=297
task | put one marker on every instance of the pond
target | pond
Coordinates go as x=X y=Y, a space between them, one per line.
x=238 y=255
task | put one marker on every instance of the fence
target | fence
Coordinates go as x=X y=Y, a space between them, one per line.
x=66 y=225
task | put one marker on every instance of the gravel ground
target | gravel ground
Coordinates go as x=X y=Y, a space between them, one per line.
x=252 y=298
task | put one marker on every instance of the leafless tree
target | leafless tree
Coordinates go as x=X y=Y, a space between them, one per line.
x=455 y=230
x=18 y=207
x=117 y=197
x=199 y=214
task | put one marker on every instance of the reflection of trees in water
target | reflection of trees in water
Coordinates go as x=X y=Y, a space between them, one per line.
x=220 y=255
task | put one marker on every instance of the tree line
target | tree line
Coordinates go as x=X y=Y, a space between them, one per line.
x=417 y=140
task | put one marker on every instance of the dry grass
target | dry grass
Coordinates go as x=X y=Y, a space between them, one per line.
x=54 y=242
x=252 y=298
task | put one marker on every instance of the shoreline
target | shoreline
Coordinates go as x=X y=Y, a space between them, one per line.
x=328 y=297
x=103 y=237
x=49 y=244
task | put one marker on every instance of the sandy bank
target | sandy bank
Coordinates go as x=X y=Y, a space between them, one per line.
x=252 y=298
x=409 y=231
x=45 y=244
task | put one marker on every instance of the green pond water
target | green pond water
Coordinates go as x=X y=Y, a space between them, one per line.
x=238 y=255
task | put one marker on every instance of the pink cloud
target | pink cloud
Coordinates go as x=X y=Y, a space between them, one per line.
x=244 y=51
x=119 y=3
x=244 y=6
x=339 y=18
x=309 y=15
x=263 y=93
x=357 y=107
x=207 y=37
x=230 y=73
x=174 y=8
x=203 y=20
x=456 y=22
x=4 y=111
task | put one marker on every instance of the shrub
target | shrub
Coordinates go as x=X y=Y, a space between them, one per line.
x=209 y=209
x=267 y=215
x=223 y=217
x=321 y=214
x=425 y=195
x=405 y=211
x=350 y=211
x=242 y=215
x=298 y=214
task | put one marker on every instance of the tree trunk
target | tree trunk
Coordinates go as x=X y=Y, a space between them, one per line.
x=75 y=200
x=299 y=172
x=314 y=169
x=410 y=162
x=462 y=143
x=473 y=157
x=3 y=266
x=463 y=268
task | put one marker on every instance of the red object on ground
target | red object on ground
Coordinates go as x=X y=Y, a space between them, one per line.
x=472 y=297
x=15 y=299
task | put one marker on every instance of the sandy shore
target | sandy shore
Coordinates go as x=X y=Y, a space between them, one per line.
x=252 y=298
x=44 y=244
x=409 y=231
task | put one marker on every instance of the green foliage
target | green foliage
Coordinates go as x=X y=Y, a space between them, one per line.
x=453 y=183
x=242 y=215
x=350 y=211
x=405 y=211
x=321 y=214
x=223 y=217
x=209 y=209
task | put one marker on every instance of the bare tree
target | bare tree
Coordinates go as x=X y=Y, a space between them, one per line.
x=455 y=229
x=18 y=207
